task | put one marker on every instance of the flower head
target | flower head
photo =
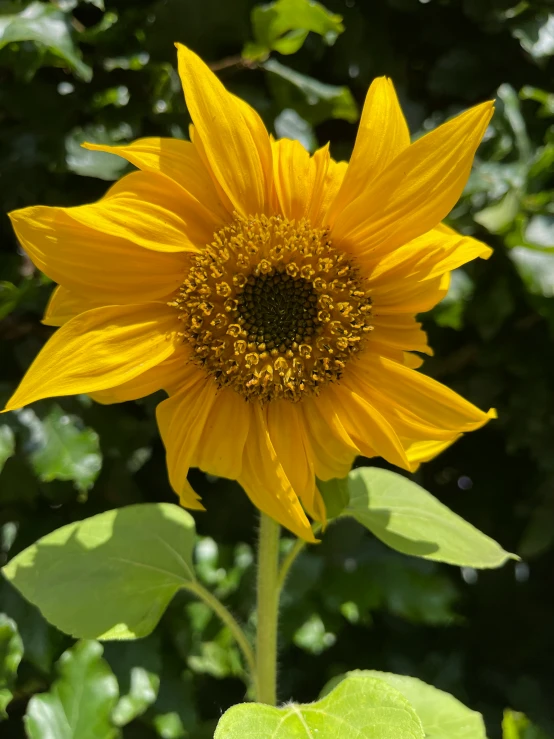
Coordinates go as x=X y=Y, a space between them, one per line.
x=271 y=293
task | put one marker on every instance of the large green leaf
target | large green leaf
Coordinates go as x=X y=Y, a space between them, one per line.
x=80 y=702
x=335 y=494
x=11 y=652
x=311 y=99
x=283 y=26
x=61 y=449
x=442 y=715
x=110 y=576
x=47 y=25
x=359 y=707
x=409 y=519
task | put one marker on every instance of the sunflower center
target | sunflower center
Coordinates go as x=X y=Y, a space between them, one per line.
x=272 y=309
x=277 y=310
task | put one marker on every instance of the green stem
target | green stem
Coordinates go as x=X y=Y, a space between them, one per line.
x=290 y=559
x=229 y=620
x=268 y=610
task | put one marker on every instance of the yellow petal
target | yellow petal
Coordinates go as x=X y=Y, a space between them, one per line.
x=221 y=446
x=370 y=431
x=181 y=420
x=97 y=266
x=407 y=296
x=418 y=395
x=265 y=482
x=294 y=174
x=149 y=210
x=234 y=137
x=201 y=152
x=423 y=451
x=328 y=182
x=178 y=160
x=399 y=331
x=332 y=450
x=417 y=190
x=431 y=255
x=65 y=305
x=99 y=349
x=163 y=376
x=287 y=431
x=382 y=135
x=406 y=424
x=412 y=360
x=304 y=185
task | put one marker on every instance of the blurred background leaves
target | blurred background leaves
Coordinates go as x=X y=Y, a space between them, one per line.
x=77 y=70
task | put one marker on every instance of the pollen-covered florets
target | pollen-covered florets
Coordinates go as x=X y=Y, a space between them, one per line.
x=272 y=309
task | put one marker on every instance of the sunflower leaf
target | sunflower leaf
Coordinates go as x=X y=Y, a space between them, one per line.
x=336 y=495
x=80 y=702
x=284 y=25
x=442 y=715
x=359 y=706
x=110 y=576
x=409 y=519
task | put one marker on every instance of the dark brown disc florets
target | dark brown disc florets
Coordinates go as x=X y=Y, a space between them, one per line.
x=272 y=309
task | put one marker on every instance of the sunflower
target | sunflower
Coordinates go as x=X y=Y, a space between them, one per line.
x=272 y=294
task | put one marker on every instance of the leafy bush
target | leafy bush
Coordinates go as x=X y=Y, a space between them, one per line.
x=76 y=71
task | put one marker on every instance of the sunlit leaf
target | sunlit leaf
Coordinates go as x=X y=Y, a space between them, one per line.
x=283 y=26
x=409 y=519
x=359 y=706
x=60 y=449
x=110 y=576
x=80 y=702
x=47 y=25
x=442 y=715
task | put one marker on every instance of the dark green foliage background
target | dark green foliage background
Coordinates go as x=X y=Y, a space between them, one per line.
x=350 y=603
